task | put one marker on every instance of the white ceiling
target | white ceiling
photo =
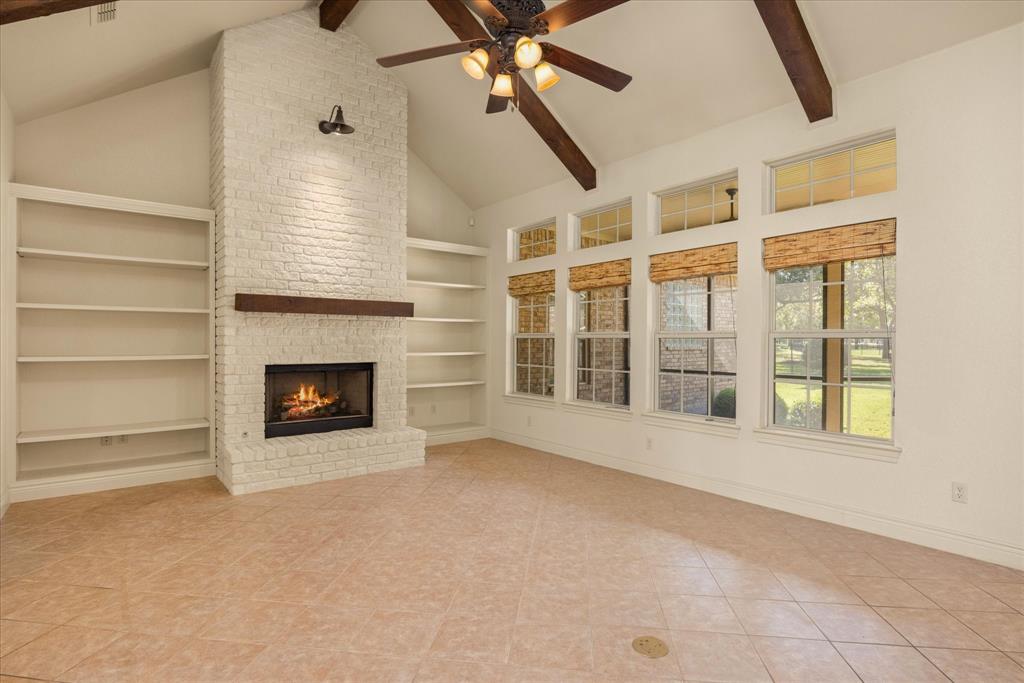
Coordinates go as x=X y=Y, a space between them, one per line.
x=695 y=64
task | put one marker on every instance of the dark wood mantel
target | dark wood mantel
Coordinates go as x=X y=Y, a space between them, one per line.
x=272 y=303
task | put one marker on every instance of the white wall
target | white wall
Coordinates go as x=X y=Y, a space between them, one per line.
x=152 y=143
x=435 y=211
x=957 y=116
x=6 y=335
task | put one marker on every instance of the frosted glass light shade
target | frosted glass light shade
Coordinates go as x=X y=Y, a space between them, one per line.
x=528 y=53
x=502 y=86
x=475 y=63
x=546 y=76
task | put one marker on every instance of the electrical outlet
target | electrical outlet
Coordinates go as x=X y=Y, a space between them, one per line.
x=650 y=444
x=106 y=440
x=412 y=410
x=433 y=409
x=529 y=420
x=959 y=492
x=122 y=438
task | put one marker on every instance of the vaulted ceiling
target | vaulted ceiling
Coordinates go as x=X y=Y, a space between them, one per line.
x=695 y=65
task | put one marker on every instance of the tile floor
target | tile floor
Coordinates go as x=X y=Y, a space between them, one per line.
x=491 y=563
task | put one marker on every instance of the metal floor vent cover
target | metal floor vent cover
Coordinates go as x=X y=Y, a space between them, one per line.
x=651 y=647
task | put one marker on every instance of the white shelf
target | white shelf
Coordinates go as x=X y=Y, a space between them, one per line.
x=426 y=354
x=99 y=201
x=44 y=435
x=442 y=285
x=114 y=309
x=447 y=320
x=447 y=247
x=57 y=255
x=105 y=467
x=107 y=359
x=441 y=385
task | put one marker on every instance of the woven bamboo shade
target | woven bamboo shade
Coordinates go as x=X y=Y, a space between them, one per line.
x=595 y=275
x=844 y=243
x=532 y=283
x=705 y=261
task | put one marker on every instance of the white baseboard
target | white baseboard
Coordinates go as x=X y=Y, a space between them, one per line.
x=30 y=490
x=456 y=437
x=863 y=520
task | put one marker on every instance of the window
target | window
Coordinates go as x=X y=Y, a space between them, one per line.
x=853 y=171
x=699 y=205
x=533 y=339
x=832 y=345
x=697 y=347
x=602 y=345
x=536 y=241
x=607 y=226
x=534 y=343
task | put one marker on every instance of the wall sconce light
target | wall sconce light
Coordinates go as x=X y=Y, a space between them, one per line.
x=336 y=125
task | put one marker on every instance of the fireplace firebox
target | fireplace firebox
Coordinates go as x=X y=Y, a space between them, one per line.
x=307 y=399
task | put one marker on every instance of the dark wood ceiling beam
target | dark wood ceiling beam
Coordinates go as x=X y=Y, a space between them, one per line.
x=796 y=50
x=333 y=12
x=20 y=10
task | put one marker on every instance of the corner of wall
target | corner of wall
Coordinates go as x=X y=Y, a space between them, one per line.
x=6 y=322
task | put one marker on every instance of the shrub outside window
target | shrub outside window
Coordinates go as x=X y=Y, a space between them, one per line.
x=699 y=205
x=602 y=346
x=606 y=226
x=536 y=241
x=854 y=171
x=696 y=347
x=534 y=344
x=832 y=347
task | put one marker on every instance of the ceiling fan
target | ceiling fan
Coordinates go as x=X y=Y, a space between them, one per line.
x=505 y=49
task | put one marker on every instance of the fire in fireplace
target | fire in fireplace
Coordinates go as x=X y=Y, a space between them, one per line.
x=306 y=399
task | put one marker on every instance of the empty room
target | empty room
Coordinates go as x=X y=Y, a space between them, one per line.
x=512 y=341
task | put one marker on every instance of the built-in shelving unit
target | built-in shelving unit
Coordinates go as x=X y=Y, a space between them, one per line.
x=447 y=361
x=108 y=342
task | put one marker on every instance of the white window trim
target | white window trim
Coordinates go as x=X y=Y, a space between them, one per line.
x=809 y=439
x=690 y=423
x=686 y=187
x=514 y=245
x=771 y=166
x=576 y=221
x=577 y=335
x=513 y=365
x=655 y=362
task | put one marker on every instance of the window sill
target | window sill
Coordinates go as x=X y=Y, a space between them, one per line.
x=827 y=444
x=727 y=429
x=530 y=400
x=621 y=414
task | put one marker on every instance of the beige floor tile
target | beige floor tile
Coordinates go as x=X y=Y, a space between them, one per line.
x=294 y=586
x=55 y=652
x=815 y=587
x=14 y=634
x=469 y=638
x=18 y=593
x=717 y=657
x=626 y=608
x=889 y=664
x=396 y=634
x=615 y=657
x=964 y=666
x=750 y=583
x=955 y=594
x=853 y=563
x=357 y=668
x=853 y=624
x=1011 y=594
x=64 y=604
x=327 y=627
x=132 y=657
x=774 y=618
x=448 y=671
x=496 y=600
x=931 y=628
x=251 y=621
x=887 y=592
x=699 y=613
x=207 y=661
x=803 y=661
x=540 y=605
x=279 y=663
x=1005 y=630
x=620 y=574
x=552 y=646
x=685 y=581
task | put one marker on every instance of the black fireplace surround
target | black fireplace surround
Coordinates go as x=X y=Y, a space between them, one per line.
x=313 y=398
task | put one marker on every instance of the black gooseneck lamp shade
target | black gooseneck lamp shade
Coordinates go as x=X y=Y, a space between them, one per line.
x=337 y=125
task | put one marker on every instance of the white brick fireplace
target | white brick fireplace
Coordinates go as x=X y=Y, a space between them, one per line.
x=304 y=214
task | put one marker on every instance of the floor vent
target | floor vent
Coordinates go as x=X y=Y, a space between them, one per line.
x=651 y=647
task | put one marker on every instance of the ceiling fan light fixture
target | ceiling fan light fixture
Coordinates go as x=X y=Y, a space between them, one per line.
x=546 y=76
x=527 y=53
x=475 y=63
x=502 y=86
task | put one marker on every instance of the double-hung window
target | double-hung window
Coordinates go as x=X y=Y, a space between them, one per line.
x=696 y=331
x=601 y=344
x=533 y=341
x=832 y=334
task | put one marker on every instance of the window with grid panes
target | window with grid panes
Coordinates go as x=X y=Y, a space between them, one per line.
x=696 y=347
x=602 y=346
x=855 y=171
x=699 y=205
x=832 y=347
x=534 y=344
x=607 y=226
x=535 y=241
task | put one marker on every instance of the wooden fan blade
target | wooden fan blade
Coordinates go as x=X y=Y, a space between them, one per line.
x=571 y=11
x=587 y=68
x=425 y=53
x=485 y=9
x=552 y=133
x=495 y=103
x=333 y=12
x=459 y=19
